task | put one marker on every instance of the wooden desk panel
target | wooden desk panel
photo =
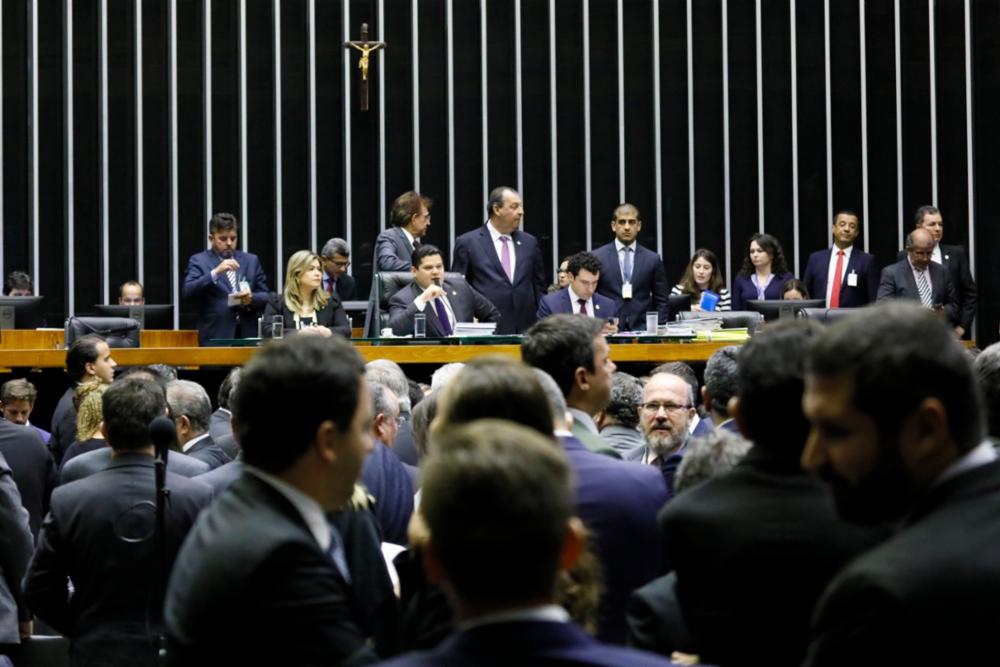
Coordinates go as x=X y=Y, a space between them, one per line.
x=51 y=339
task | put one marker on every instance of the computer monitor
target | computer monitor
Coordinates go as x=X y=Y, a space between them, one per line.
x=780 y=309
x=149 y=316
x=21 y=312
x=676 y=303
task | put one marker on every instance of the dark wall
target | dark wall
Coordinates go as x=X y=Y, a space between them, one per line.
x=555 y=188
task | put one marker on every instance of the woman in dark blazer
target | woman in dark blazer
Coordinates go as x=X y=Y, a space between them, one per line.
x=305 y=306
x=764 y=272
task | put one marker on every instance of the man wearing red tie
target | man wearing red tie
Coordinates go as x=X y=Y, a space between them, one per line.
x=846 y=276
x=336 y=258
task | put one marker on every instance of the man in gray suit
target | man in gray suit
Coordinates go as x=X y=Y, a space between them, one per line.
x=444 y=303
x=410 y=217
x=15 y=551
x=916 y=277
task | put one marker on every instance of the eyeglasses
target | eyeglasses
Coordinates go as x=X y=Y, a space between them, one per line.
x=670 y=408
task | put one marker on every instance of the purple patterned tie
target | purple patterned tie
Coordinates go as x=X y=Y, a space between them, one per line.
x=505 y=258
x=443 y=316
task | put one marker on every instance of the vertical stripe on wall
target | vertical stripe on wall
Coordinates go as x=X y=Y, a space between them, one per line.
x=587 y=155
x=899 y=121
x=381 y=118
x=311 y=47
x=279 y=255
x=485 y=99
x=690 y=92
x=175 y=277
x=657 y=137
x=553 y=129
x=725 y=136
x=69 y=184
x=932 y=67
x=415 y=108
x=621 y=102
x=518 y=100
x=969 y=154
x=449 y=31
x=828 y=106
x=103 y=158
x=758 y=18
x=2 y=272
x=862 y=31
x=244 y=212
x=139 y=172
x=207 y=46
x=794 y=56
x=346 y=62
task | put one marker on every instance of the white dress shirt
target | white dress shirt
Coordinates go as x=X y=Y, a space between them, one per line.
x=422 y=303
x=193 y=441
x=574 y=300
x=498 y=245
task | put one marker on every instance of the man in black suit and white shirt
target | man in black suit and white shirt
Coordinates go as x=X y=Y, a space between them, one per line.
x=100 y=534
x=631 y=275
x=918 y=278
x=262 y=564
x=445 y=303
x=191 y=410
x=955 y=261
x=898 y=432
x=410 y=216
x=503 y=263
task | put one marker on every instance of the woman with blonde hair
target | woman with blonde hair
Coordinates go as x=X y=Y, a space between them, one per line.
x=89 y=417
x=305 y=306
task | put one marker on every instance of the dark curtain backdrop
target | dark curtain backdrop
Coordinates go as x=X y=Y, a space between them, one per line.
x=434 y=128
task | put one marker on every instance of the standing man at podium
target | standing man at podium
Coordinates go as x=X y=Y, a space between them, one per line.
x=228 y=285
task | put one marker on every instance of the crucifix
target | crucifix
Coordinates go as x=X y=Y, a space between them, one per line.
x=365 y=47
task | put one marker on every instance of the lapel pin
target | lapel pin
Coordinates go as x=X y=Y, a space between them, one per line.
x=946 y=258
x=596 y=307
x=518 y=243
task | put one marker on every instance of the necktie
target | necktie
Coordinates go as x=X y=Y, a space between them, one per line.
x=337 y=554
x=443 y=316
x=924 y=289
x=232 y=279
x=330 y=284
x=583 y=306
x=416 y=243
x=837 y=271
x=627 y=264
x=505 y=257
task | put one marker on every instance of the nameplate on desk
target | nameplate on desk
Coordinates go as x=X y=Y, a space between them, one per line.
x=6 y=317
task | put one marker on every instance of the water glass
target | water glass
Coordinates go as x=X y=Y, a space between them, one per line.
x=420 y=325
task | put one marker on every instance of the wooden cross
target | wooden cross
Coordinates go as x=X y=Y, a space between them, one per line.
x=365 y=47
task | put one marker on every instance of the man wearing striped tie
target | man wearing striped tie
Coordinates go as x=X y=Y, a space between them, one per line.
x=916 y=277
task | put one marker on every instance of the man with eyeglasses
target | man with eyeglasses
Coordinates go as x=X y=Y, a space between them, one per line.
x=631 y=275
x=388 y=479
x=664 y=416
x=336 y=259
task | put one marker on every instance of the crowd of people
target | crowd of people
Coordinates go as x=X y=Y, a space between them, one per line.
x=823 y=495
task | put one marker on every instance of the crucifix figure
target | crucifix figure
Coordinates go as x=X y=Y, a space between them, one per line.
x=365 y=47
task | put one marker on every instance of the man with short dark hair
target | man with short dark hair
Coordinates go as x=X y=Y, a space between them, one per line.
x=721 y=384
x=130 y=294
x=410 y=216
x=580 y=296
x=227 y=285
x=101 y=535
x=88 y=359
x=444 y=303
x=336 y=259
x=191 y=410
x=767 y=509
x=631 y=275
x=503 y=263
x=25 y=451
x=17 y=402
x=18 y=283
x=574 y=352
x=618 y=423
x=918 y=278
x=845 y=276
x=263 y=562
x=498 y=502
x=897 y=431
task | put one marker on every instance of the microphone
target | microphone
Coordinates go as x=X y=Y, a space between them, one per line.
x=162 y=432
x=227 y=254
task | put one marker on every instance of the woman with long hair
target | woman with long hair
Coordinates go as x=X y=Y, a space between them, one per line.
x=763 y=273
x=305 y=306
x=702 y=273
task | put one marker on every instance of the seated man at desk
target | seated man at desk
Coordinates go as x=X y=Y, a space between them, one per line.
x=450 y=301
x=130 y=294
x=18 y=283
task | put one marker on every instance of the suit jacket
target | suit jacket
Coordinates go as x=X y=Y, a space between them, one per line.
x=227 y=443
x=82 y=447
x=618 y=502
x=333 y=316
x=63 y=424
x=655 y=621
x=561 y=303
x=46 y=436
x=623 y=438
x=526 y=644
x=593 y=441
x=744 y=290
x=216 y=319
x=115 y=584
x=207 y=451
x=476 y=258
x=897 y=282
x=346 y=289
x=93 y=462
x=15 y=551
x=753 y=550
x=393 y=251
x=928 y=595
x=649 y=285
x=32 y=467
x=668 y=466
x=252 y=569
x=955 y=261
x=386 y=478
x=220 y=424
x=222 y=478
x=465 y=302
x=860 y=263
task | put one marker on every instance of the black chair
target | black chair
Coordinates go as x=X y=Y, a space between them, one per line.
x=116 y=331
x=731 y=319
x=384 y=286
x=825 y=315
x=41 y=651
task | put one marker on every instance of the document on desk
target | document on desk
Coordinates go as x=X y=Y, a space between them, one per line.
x=475 y=328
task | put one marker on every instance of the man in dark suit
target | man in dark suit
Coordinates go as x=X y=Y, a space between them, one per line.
x=220 y=426
x=445 y=303
x=387 y=479
x=95 y=461
x=262 y=562
x=191 y=409
x=336 y=258
x=503 y=263
x=34 y=471
x=721 y=384
x=15 y=550
x=918 y=460
x=631 y=275
x=500 y=580
x=580 y=297
x=88 y=359
x=410 y=217
x=735 y=606
x=227 y=285
x=665 y=421
x=574 y=352
x=100 y=534
x=844 y=275
x=918 y=278
x=17 y=402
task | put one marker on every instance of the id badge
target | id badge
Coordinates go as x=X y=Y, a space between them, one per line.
x=626 y=290
x=852 y=279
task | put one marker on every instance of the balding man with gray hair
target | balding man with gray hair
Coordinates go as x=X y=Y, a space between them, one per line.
x=445 y=374
x=390 y=375
x=618 y=423
x=721 y=384
x=191 y=411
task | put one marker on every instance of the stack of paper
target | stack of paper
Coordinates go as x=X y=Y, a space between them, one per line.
x=474 y=328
